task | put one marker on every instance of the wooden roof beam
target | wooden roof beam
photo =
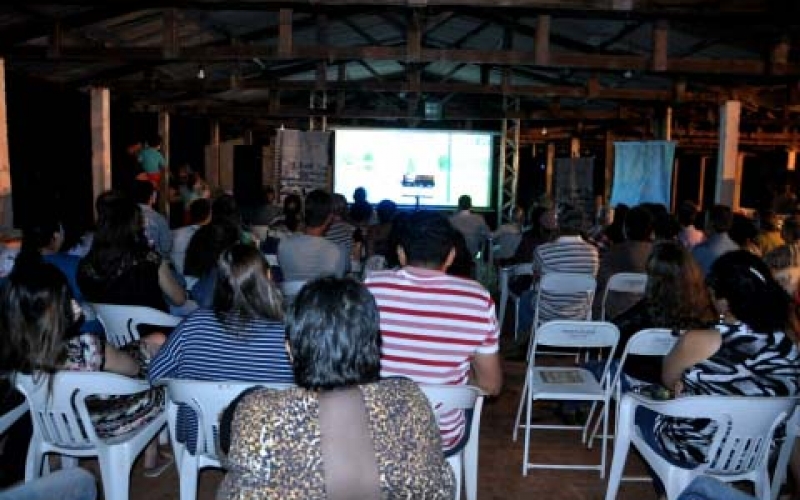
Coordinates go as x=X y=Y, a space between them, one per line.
x=740 y=67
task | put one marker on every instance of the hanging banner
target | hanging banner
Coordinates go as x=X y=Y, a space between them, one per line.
x=302 y=161
x=642 y=172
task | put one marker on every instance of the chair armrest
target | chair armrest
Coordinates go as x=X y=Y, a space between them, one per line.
x=112 y=384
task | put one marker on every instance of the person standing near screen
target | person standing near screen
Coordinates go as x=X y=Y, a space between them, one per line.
x=471 y=225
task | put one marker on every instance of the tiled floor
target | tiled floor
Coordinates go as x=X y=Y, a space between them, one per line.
x=500 y=462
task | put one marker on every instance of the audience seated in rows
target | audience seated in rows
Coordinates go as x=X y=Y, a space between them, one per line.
x=121 y=267
x=630 y=256
x=417 y=305
x=40 y=332
x=568 y=253
x=675 y=298
x=471 y=225
x=199 y=215
x=280 y=439
x=340 y=231
x=750 y=352
x=243 y=329
x=156 y=227
x=689 y=235
x=309 y=255
x=718 y=241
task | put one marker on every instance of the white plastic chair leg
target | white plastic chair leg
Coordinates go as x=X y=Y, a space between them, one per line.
x=621 y=446
x=455 y=462
x=33 y=462
x=471 y=471
x=115 y=469
x=189 y=477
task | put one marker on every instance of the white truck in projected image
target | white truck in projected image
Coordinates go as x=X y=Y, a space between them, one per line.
x=423 y=181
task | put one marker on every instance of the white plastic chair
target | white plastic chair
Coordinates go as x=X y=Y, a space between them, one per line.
x=8 y=418
x=570 y=294
x=61 y=424
x=506 y=273
x=208 y=400
x=739 y=450
x=290 y=289
x=629 y=283
x=120 y=321
x=789 y=442
x=566 y=383
x=465 y=463
x=647 y=342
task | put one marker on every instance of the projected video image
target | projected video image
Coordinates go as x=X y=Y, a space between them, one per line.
x=434 y=167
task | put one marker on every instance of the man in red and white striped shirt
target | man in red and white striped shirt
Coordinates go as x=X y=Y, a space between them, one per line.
x=436 y=328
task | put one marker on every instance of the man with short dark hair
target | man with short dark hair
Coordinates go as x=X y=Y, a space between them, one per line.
x=568 y=253
x=436 y=328
x=471 y=225
x=199 y=215
x=689 y=235
x=309 y=255
x=718 y=242
x=156 y=227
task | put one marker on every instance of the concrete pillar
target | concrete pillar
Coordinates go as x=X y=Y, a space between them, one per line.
x=101 y=140
x=727 y=190
x=6 y=207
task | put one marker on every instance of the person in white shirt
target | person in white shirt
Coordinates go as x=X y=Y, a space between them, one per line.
x=199 y=215
x=471 y=225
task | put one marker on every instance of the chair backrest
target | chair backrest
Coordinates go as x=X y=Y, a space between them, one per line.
x=290 y=289
x=58 y=407
x=457 y=397
x=745 y=427
x=120 y=321
x=577 y=334
x=208 y=400
x=565 y=295
x=650 y=342
x=629 y=283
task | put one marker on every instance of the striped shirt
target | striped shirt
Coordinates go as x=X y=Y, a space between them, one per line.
x=203 y=348
x=567 y=254
x=432 y=326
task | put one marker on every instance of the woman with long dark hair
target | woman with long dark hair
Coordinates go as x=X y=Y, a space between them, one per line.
x=121 y=267
x=39 y=334
x=240 y=337
x=751 y=351
x=675 y=298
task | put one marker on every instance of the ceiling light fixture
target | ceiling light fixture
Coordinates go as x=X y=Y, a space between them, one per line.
x=201 y=73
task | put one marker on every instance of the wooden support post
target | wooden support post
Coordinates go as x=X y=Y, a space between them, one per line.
x=737 y=185
x=668 y=124
x=170 y=34
x=100 y=103
x=541 y=55
x=609 y=167
x=56 y=40
x=341 y=94
x=6 y=208
x=660 y=45
x=575 y=147
x=163 y=132
x=702 y=182
x=727 y=157
x=673 y=194
x=414 y=37
x=779 y=57
x=550 y=166
x=791 y=160
x=212 y=155
x=285 y=33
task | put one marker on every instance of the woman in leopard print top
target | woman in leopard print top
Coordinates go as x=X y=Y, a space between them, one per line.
x=276 y=451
